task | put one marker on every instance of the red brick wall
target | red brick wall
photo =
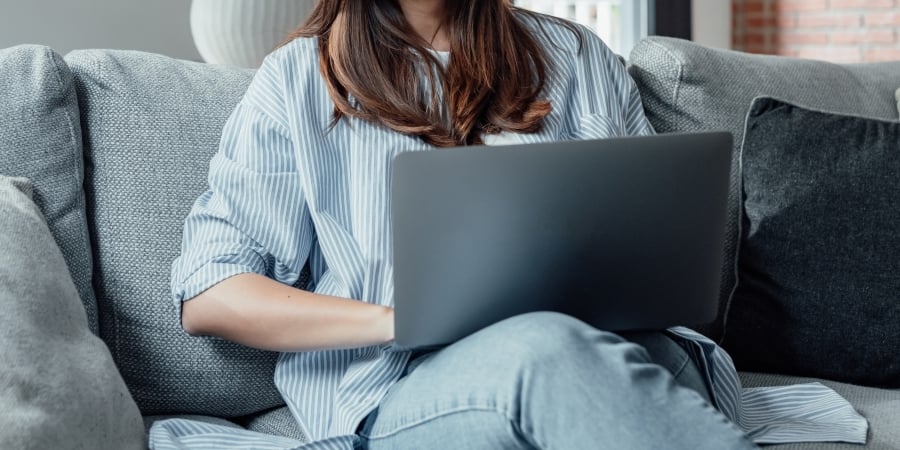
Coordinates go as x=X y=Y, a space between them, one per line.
x=832 y=30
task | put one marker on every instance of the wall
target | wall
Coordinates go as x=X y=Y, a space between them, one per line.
x=832 y=30
x=159 y=26
x=711 y=23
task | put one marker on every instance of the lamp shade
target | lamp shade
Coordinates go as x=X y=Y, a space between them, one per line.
x=242 y=32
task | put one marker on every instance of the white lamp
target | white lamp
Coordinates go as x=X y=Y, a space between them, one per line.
x=242 y=32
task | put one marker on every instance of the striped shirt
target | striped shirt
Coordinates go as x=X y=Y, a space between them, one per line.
x=285 y=192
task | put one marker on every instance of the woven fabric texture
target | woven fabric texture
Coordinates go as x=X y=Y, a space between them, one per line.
x=59 y=387
x=688 y=87
x=279 y=422
x=880 y=406
x=40 y=139
x=151 y=127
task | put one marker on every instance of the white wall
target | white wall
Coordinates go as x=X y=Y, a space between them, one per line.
x=163 y=26
x=711 y=20
x=159 y=26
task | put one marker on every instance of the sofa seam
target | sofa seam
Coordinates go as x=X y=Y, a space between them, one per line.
x=79 y=177
x=677 y=91
x=739 y=227
x=116 y=347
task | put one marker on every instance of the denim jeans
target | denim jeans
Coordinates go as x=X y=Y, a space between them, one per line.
x=549 y=381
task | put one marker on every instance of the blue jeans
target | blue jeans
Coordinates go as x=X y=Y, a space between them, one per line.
x=549 y=381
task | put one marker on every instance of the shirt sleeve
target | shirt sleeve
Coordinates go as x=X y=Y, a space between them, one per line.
x=610 y=101
x=254 y=217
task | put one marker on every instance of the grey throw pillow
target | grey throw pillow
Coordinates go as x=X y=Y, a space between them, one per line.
x=819 y=271
x=58 y=385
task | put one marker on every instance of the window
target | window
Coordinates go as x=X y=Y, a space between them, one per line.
x=620 y=23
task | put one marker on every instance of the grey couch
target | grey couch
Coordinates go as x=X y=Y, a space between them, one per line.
x=117 y=145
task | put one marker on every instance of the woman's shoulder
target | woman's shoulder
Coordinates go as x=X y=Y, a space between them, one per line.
x=287 y=73
x=560 y=33
x=294 y=56
x=562 y=37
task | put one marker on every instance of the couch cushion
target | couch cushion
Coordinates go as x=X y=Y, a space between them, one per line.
x=277 y=422
x=819 y=265
x=58 y=385
x=880 y=406
x=40 y=139
x=151 y=125
x=689 y=87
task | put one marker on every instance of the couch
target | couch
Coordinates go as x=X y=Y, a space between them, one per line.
x=116 y=146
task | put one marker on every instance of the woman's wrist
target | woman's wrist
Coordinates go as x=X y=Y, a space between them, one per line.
x=385 y=325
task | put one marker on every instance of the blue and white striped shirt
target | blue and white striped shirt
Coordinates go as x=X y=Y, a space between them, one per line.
x=284 y=191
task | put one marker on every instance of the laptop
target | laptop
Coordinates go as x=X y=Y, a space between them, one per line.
x=622 y=233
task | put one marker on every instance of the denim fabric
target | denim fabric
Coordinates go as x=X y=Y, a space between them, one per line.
x=545 y=380
x=688 y=87
x=819 y=264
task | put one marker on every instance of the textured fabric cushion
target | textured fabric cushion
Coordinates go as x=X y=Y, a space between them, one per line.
x=820 y=255
x=689 y=87
x=40 y=138
x=278 y=422
x=151 y=126
x=58 y=385
x=880 y=406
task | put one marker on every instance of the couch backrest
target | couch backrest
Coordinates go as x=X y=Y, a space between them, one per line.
x=689 y=87
x=151 y=125
x=40 y=139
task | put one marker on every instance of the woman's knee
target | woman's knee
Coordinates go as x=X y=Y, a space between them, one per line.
x=540 y=336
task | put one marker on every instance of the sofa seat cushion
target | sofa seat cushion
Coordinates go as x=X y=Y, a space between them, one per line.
x=688 y=87
x=151 y=125
x=880 y=406
x=277 y=422
x=59 y=387
x=40 y=139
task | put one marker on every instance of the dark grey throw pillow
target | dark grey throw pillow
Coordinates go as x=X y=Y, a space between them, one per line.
x=819 y=262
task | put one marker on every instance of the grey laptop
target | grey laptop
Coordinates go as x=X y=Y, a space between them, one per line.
x=623 y=233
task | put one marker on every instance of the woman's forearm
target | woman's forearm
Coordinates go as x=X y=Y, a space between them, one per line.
x=259 y=312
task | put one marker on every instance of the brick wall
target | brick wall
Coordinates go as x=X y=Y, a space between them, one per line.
x=832 y=30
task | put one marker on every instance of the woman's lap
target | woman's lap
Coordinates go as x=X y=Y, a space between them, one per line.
x=542 y=379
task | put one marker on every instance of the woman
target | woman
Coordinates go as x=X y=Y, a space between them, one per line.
x=302 y=177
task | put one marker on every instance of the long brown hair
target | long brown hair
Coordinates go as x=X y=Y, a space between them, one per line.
x=372 y=60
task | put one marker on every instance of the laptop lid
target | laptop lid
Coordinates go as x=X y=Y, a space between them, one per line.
x=624 y=233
